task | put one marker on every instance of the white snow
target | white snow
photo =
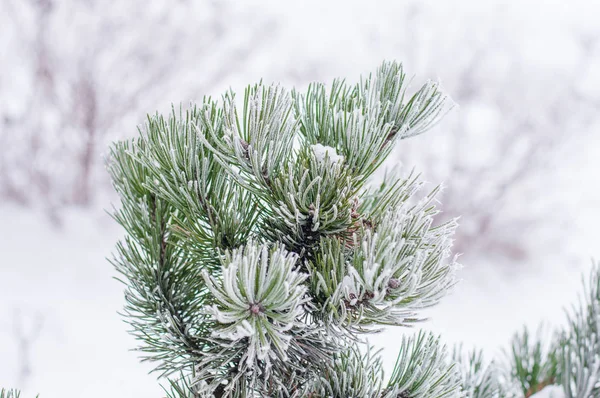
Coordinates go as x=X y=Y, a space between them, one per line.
x=83 y=344
x=83 y=349
x=550 y=392
x=60 y=274
x=323 y=151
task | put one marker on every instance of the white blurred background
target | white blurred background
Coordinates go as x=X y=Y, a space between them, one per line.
x=519 y=156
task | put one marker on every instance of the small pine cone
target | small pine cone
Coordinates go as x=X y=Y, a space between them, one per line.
x=256 y=308
x=354 y=213
x=265 y=174
x=245 y=147
x=368 y=224
x=392 y=134
x=352 y=302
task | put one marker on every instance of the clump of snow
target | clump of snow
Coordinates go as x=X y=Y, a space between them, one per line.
x=323 y=151
x=244 y=329
x=550 y=392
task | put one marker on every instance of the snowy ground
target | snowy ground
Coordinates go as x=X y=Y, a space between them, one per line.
x=82 y=349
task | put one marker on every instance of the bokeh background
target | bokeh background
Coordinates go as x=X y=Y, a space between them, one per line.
x=519 y=156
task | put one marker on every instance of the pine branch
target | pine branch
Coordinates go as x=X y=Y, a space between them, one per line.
x=162 y=292
x=364 y=120
x=395 y=265
x=349 y=374
x=11 y=393
x=479 y=379
x=255 y=249
x=532 y=361
x=423 y=370
x=579 y=352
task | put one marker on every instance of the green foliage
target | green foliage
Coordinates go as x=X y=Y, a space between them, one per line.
x=392 y=266
x=11 y=393
x=363 y=121
x=264 y=302
x=532 y=361
x=423 y=370
x=579 y=353
x=479 y=379
x=257 y=250
x=567 y=359
x=350 y=374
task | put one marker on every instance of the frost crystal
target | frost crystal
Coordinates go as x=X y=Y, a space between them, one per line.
x=256 y=253
x=260 y=297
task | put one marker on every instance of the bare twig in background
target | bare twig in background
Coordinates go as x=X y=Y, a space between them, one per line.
x=497 y=148
x=91 y=74
x=25 y=332
x=85 y=75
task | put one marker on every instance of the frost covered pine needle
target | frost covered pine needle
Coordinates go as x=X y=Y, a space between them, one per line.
x=260 y=248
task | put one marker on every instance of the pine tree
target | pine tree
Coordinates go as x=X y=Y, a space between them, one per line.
x=259 y=252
